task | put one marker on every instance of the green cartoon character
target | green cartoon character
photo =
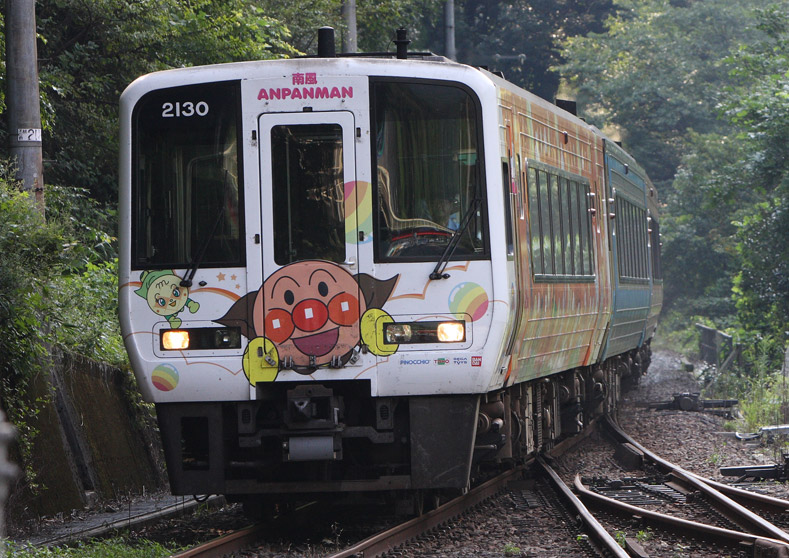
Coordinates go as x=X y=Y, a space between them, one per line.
x=165 y=295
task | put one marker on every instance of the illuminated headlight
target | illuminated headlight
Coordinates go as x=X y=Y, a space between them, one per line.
x=201 y=339
x=175 y=340
x=424 y=332
x=451 y=332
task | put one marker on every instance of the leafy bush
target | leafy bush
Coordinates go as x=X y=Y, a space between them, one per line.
x=32 y=252
x=57 y=289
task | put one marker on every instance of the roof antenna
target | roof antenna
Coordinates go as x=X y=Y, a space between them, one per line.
x=402 y=43
x=326 y=43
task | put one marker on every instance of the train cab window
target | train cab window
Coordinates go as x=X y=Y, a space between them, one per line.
x=429 y=177
x=307 y=185
x=560 y=225
x=186 y=173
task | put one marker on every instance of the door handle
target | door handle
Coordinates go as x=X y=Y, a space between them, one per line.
x=350 y=262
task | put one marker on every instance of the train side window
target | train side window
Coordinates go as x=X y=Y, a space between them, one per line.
x=545 y=222
x=657 y=272
x=575 y=228
x=534 y=222
x=631 y=240
x=589 y=239
x=507 y=182
x=560 y=226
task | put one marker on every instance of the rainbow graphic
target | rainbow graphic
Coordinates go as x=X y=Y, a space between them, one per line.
x=165 y=377
x=468 y=298
x=359 y=207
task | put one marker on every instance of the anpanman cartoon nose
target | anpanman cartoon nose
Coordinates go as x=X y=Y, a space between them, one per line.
x=310 y=315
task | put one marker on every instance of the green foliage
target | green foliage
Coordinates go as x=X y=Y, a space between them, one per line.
x=522 y=38
x=86 y=308
x=376 y=21
x=32 y=255
x=760 y=387
x=759 y=105
x=92 y=50
x=656 y=72
x=110 y=548
x=678 y=332
x=699 y=93
x=56 y=290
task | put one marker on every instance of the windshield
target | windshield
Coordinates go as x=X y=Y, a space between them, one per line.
x=185 y=174
x=307 y=184
x=428 y=171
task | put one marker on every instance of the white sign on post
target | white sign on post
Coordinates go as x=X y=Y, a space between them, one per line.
x=29 y=134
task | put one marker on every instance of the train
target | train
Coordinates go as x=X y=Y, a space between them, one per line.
x=382 y=273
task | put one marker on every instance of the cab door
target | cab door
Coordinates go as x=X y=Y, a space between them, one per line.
x=309 y=231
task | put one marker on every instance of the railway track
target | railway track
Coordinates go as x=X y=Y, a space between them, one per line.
x=534 y=486
x=699 y=516
x=728 y=519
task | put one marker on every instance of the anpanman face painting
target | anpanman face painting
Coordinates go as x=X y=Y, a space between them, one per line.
x=310 y=309
x=309 y=314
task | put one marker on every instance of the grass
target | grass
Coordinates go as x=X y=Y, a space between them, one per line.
x=109 y=548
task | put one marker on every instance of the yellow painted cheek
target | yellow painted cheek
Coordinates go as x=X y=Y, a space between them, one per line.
x=261 y=361
x=372 y=329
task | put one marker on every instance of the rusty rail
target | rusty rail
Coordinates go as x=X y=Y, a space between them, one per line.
x=597 y=531
x=756 y=524
x=678 y=524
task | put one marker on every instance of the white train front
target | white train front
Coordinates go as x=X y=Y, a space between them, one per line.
x=360 y=274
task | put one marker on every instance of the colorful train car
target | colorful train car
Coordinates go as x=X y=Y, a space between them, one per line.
x=373 y=273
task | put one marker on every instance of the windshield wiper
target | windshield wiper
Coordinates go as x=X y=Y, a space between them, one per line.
x=438 y=271
x=187 y=280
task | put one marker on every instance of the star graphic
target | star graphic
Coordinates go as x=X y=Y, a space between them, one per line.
x=220 y=276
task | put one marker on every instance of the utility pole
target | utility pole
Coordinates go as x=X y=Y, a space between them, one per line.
x=449 y=30
x=22 y=96
x=349 y=43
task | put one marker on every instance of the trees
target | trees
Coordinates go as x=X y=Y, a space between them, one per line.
x=759 y=106
x=90 y=51
x=656 y=72
x=522 y=38
x=699 y=93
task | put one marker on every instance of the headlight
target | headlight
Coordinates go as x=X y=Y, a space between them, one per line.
x=201 y=339
x=175 y=340
x=451 y=332
x=424 y=332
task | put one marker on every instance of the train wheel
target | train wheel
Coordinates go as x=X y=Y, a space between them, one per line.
x=426 y=501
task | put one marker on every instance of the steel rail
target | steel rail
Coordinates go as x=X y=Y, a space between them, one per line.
x=387 y=540
x=592 y=525
x=683 y=525
x=754 y=522
x=222 y=546
x=240 y=539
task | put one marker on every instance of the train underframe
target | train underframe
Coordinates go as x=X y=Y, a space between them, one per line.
x=300 y=439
